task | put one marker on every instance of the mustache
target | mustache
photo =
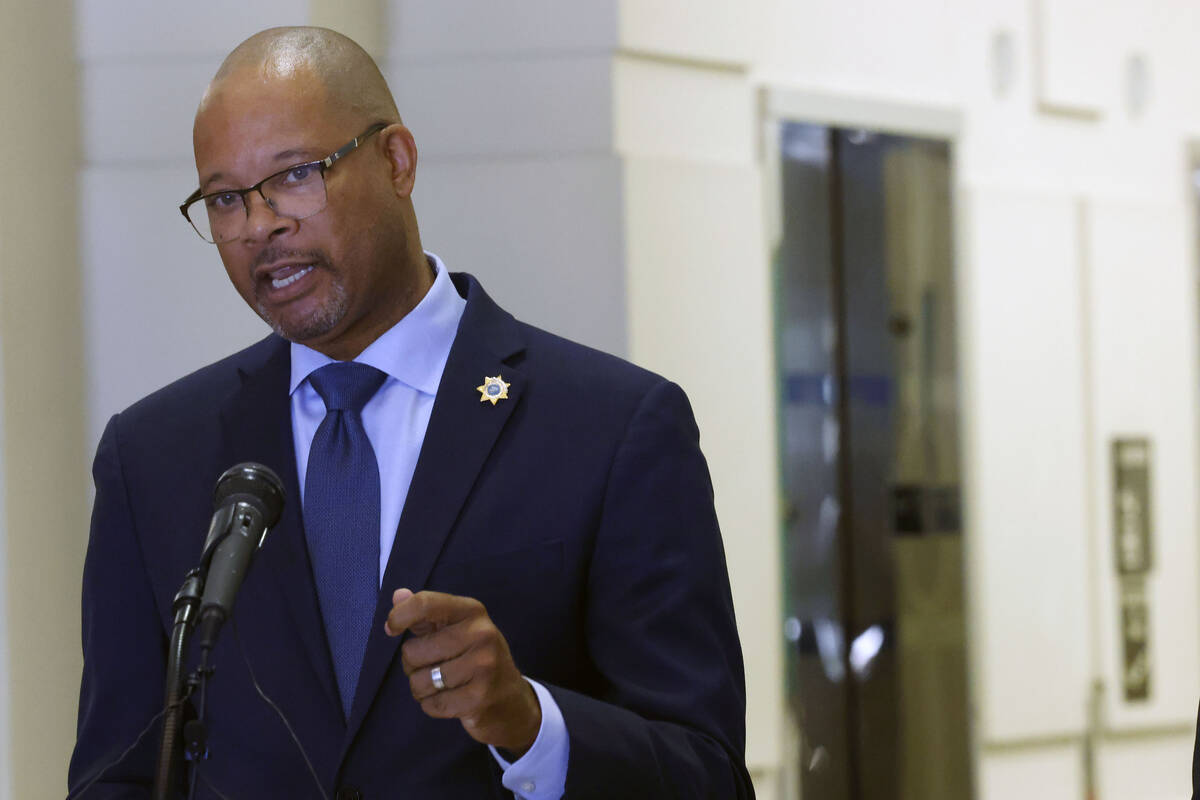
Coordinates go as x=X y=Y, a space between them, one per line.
x=271 y=255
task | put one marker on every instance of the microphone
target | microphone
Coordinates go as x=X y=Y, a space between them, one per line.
x=247 y=502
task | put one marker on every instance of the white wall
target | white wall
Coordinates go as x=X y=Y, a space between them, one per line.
x=517 y=182
x=1078 y=308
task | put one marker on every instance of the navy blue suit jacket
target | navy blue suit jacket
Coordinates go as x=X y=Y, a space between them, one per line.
x=579 y=511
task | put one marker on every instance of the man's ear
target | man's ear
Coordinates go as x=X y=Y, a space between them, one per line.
x=401 y=151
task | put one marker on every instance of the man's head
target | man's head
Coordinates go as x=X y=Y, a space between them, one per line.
x=337 y=279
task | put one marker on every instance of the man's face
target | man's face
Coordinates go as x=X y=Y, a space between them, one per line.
x=331 y=280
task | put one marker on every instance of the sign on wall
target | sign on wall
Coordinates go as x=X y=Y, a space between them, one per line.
x=1133 y=526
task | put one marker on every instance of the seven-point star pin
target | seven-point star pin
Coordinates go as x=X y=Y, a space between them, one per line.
x=493 y=389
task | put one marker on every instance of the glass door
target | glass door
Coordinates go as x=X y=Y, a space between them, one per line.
x=870 y=465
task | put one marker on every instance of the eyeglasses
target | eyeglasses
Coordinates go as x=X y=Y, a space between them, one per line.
x=296 y=192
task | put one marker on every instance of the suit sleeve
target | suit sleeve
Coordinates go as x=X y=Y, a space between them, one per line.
x=670 y=721
x=124 y=646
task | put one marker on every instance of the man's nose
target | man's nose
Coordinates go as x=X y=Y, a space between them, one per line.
x=262 y=221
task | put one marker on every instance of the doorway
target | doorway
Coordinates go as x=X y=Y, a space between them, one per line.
x=866 y=345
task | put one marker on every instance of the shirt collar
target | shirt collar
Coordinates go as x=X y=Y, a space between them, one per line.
x=414 y=350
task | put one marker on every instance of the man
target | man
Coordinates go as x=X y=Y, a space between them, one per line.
x=498 y=569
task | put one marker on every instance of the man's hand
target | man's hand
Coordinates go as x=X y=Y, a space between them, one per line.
x=484 y=690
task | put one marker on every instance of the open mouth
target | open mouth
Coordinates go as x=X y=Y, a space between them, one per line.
x=288 y=275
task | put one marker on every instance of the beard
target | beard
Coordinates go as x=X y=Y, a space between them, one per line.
x=319 y=320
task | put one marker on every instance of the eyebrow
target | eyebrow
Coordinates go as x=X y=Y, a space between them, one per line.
x=294 y=152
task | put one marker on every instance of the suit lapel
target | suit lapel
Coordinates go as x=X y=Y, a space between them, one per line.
x=258 y=425
x=461 y=434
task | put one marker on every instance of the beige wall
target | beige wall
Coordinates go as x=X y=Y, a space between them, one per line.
x=43 y=400
x=364 y=21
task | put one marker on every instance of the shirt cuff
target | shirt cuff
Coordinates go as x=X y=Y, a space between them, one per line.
x=540 y=774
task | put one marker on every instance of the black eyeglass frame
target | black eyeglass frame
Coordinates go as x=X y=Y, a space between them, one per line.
x=322 y=164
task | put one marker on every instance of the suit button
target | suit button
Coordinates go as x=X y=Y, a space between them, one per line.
x=348 y=793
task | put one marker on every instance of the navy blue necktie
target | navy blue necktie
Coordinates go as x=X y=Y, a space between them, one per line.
x=341 y=516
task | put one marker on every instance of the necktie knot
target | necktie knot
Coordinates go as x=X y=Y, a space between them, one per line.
x=346 y=385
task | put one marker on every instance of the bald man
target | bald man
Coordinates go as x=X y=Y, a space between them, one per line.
x=498 y=572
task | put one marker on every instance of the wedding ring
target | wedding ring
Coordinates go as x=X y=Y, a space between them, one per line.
x=436 y=675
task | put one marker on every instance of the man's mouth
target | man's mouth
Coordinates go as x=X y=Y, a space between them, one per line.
x=286 y=276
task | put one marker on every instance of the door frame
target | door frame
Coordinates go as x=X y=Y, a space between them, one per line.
x=780 y=102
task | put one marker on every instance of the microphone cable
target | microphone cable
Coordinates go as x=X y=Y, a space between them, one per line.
x=196 y=765
x=197 y=772
x=254 y=680
x=103 y=770
x=220 y=795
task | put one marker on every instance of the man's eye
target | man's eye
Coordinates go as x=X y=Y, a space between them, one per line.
x=300 y=174
x=224 y=201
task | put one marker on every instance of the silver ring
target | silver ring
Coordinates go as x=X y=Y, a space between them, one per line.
x=436 y=675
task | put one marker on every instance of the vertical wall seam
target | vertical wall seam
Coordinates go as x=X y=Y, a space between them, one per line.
x=1093 y=696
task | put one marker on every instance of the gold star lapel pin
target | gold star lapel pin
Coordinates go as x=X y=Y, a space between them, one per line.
x=493 y=389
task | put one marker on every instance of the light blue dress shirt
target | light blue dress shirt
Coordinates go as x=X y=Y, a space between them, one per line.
x=413 y=353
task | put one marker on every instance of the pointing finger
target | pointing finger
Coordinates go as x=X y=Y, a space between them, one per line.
x=398 y=596
x=425 y=612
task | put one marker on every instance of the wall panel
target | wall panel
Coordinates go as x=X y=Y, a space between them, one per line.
x=723 y=31
x=1156 y=768
x=673 y=111
x=905 y=50
x=1023 y=370
x=542 y=235
x=140 y=112
x=469 y=29
x=149 y=29
x=1048 y=771
x=516 y=183
x=531 y=107
x=44 y=474
x=1143 y=306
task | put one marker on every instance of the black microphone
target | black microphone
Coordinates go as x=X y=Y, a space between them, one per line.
x=247 y=502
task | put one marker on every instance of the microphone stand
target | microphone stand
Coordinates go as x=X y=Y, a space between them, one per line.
x=248 y=500
x=187 y=609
